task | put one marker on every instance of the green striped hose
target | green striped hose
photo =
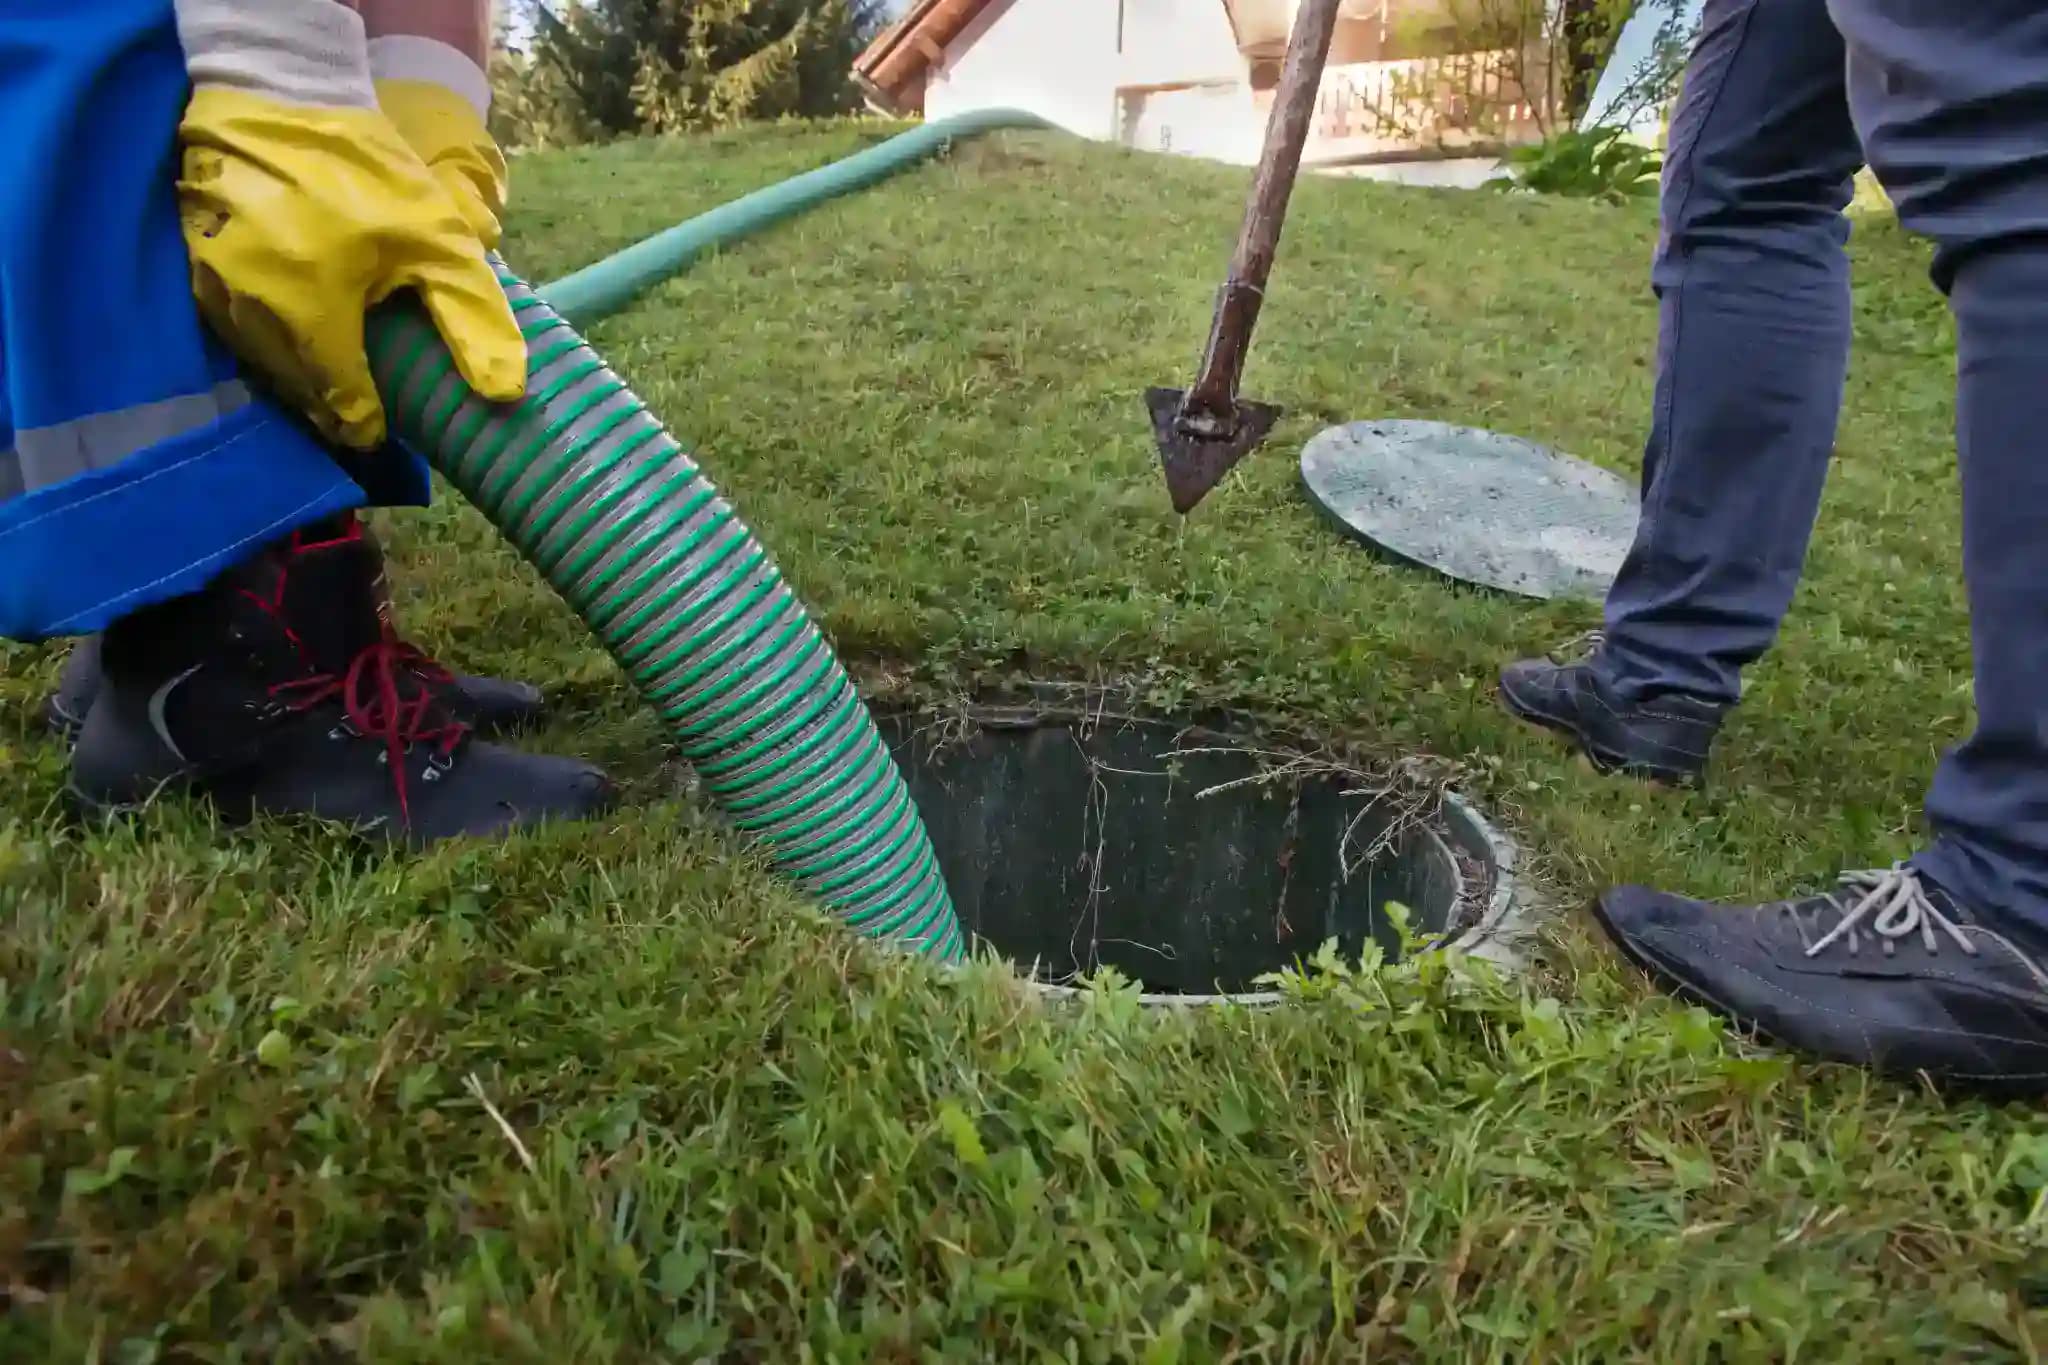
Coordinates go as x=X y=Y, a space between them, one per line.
x=591 y=489
x=585 y=482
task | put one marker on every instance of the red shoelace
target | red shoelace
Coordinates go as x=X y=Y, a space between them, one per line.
x=390 y=694
x=390 y=690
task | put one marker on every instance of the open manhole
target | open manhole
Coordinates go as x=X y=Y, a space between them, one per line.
x=1190 y=861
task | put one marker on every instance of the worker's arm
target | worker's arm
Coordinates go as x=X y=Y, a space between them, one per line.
x=429 y=58
x=304 y=207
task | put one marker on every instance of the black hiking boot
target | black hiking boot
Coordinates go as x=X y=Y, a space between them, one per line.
x=492 y=706
x=1664 y=738
x=278 y=690
x=1888 y=972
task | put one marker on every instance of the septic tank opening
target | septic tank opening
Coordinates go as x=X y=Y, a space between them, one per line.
x=1191 y=861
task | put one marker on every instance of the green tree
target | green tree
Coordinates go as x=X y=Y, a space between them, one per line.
x=601 y=68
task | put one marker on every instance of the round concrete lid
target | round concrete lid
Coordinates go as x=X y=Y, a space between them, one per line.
x=1474 y=505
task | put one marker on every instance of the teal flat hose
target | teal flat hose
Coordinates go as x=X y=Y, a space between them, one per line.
x=590 y=488
x=599 y=290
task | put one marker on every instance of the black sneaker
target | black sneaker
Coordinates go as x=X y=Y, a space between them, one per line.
x=1888 y=972
x=278 y=690
x=1664 y=738
x=492 y=706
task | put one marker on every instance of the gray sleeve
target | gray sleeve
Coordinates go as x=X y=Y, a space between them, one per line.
x=298 y=51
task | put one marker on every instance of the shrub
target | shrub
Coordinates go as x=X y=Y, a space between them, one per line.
x=1593 y=163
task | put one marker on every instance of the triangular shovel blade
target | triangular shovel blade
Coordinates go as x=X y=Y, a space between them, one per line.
x=1193 y=465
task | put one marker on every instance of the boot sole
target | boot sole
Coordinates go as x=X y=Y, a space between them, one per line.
x=1604 y=762
x=238 y=815
x=85 y=806
x=192 y=784
x=232 y=815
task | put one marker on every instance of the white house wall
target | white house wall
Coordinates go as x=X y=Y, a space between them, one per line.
x=1056 y=58
x=1177 y=40
x=1218 y=122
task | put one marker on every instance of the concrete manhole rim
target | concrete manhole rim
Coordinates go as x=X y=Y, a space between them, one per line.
x=1494 y=929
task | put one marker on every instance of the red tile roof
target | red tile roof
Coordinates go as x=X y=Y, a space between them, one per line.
x=893 y=68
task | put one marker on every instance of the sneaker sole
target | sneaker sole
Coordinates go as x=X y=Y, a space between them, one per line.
x=1605 y=763
x=1646 y=965
x=1987 y=1087
x=1684 y=991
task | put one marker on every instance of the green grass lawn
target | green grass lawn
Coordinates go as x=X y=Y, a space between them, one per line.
x=251 y=1084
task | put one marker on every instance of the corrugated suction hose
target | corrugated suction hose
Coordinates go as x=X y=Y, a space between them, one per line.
x=585 y=481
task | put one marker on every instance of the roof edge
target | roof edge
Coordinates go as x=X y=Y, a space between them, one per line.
x=889 y=39
x=907 y=48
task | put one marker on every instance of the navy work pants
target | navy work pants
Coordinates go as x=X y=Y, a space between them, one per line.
x=1784 y=100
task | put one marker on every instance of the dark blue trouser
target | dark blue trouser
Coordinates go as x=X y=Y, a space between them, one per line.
x=1784 y=100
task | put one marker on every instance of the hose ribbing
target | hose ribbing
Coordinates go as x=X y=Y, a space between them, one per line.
x=593 y=491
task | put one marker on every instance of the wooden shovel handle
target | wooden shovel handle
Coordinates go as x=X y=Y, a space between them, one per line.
x=1214 y=395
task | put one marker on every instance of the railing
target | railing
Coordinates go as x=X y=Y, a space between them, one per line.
x=1424 y=103
x=1468 y=102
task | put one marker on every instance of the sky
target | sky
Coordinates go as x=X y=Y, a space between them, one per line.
x=1633 y=47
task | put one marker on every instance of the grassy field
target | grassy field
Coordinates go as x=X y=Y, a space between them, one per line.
x=607 y=1094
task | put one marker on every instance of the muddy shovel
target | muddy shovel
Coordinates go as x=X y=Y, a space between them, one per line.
x=1204 y=430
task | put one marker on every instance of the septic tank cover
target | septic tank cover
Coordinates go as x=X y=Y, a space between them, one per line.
x=1475 y=505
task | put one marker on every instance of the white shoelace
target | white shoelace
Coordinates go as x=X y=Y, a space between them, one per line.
x=1892 y=905
x=1579 y=648
x=1895 y=904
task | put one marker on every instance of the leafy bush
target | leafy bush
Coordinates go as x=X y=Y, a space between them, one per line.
x=1593 y=163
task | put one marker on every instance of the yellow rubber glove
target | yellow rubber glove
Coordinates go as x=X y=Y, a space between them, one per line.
x=299 y=219
x=444 y=131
